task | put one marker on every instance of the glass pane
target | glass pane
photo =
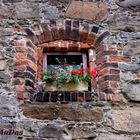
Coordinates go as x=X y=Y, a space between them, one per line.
x=56 y=60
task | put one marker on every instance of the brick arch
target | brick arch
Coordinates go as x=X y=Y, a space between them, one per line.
x=61 y=35
x=73 y=30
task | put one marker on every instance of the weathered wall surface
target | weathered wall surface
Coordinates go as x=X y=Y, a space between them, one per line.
x=119 y=53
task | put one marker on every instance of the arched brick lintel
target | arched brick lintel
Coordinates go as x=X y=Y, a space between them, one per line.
x=72 y=30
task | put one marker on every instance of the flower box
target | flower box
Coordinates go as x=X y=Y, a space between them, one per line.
x=80 y=86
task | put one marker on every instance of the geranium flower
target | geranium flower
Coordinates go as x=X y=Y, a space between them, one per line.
x=93 y=73
x=96 y=69
x=74 y=72
x=80 y=71
x=87 y=70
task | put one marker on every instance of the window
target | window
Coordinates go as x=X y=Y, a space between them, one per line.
x=74 y=59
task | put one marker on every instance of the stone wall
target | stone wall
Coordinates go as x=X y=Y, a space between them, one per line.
x=118 y=58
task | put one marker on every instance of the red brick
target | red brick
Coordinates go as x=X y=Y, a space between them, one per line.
x=88 y=97
x=18 y=81
x=111 y=47
x=32 y=58
x=101 y=60
x=120 y=47
x=114 y=71
x=91 y=39
x=68 y=29
x=109 y=90
x=104 y=85
x=94 y=83
x=30 y=90
x=20 y=88
x=84 y=46
x=20 y=68
x=39 y=63
x=100 y=48
x=109 y=97
x=81 y=97
x=19 y=43
x=111 y=65
x=39 y=37
x=32 y=65
x=73 y=46
x=20 y=55
x=117 y=99
x=31 y=45
x=75 y=35
x=22 y=96
x=64 y=45
x=32 y=52
x=61 y=33
x=74 y=96
x=84 y=34
x=104 y=72
x=47 y=33
x=53 y=45
x=114 y=84
x=19 y=62
x=124 y=71
x=114 y=77
x=109 y=77
x=55 y=33
x=102 y=96
x=21 y=49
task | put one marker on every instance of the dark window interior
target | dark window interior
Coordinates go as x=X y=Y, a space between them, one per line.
x=56 y=60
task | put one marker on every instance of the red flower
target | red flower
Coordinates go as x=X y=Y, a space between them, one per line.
x=96 y=69
x=74 y=72
x=87 y=70
x=93 y=73
x=80 y=71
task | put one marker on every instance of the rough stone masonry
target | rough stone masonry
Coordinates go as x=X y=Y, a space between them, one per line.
x=111 y=27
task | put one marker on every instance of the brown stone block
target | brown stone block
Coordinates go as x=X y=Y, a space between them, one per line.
x=87 y=10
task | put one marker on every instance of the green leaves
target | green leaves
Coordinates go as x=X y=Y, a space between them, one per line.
x=64 y=73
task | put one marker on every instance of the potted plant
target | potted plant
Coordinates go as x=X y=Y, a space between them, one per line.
x=68 y=78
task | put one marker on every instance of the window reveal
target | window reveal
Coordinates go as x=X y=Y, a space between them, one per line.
x=53 y=62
